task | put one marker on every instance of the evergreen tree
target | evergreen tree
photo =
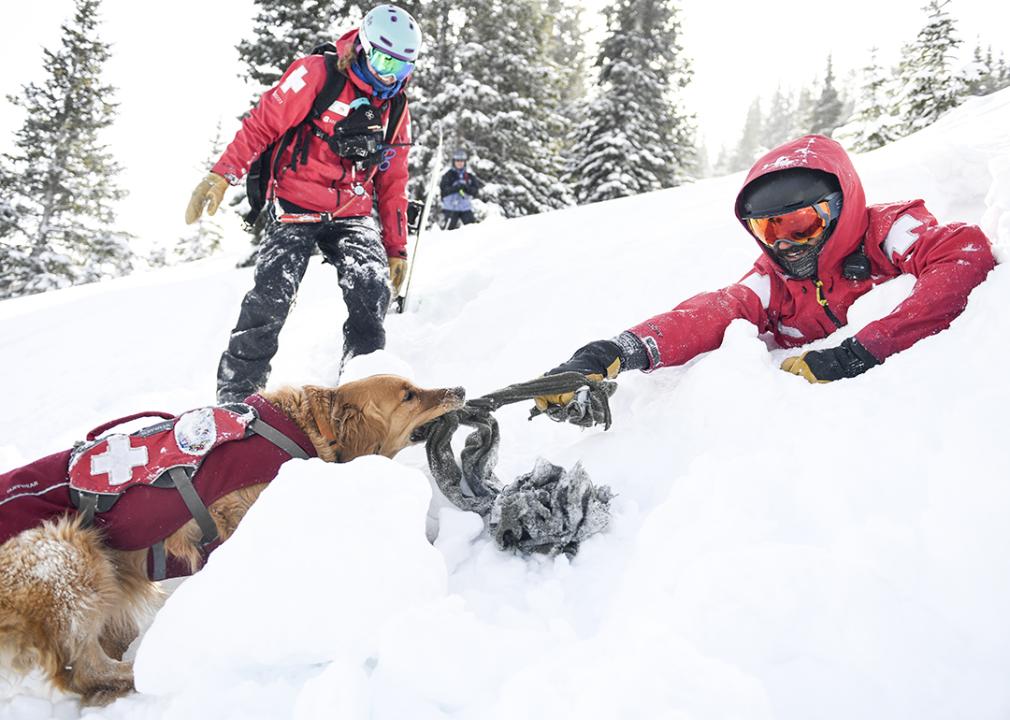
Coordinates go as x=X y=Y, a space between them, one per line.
x=723 y=162
x=827 y=111
x=506 y=102
x=749 y=147
x=204 y=238
x=803 y=112
x=979 y=77
x=1001 y=71
x=778 y=125
x=932 y=88
x=635 y=137
x=871 y=125
x=566 y=47
x=60 y=184
x=284 y=31
x=436 y=98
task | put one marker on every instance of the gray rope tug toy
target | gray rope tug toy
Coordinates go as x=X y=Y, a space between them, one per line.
x=549 y=510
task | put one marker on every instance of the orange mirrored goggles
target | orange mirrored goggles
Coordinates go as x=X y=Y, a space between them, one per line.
x=798 y=227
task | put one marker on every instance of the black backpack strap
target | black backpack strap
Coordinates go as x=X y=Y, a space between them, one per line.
x=396 y=107
x=334 y=85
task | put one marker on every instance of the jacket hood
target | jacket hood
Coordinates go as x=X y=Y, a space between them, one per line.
x=344 y=44
x=817 y=152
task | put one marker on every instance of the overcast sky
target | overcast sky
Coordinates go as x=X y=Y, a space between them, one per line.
x=175 y=67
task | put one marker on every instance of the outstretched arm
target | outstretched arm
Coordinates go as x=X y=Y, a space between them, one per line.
x=948 y=261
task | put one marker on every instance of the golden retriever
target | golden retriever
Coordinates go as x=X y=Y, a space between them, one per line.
x=72 y=606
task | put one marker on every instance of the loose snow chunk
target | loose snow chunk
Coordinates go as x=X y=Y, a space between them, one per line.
x=327 y=556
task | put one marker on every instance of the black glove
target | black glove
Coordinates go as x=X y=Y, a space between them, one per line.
x=597 y=360
x=822 y=366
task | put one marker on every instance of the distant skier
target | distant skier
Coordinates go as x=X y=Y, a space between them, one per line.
x=459 y=187
x=321 y=193
x=823 y=248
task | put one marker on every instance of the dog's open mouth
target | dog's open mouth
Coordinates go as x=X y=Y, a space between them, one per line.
x=452 y=401
x=421 y=433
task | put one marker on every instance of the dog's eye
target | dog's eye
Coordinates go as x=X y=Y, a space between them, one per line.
x=408 y=395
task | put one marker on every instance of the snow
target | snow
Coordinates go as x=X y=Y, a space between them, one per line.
x=777 y=549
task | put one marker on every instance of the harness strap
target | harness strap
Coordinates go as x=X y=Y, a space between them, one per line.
x=184 y=484
x=268 y=432
x=159 y=567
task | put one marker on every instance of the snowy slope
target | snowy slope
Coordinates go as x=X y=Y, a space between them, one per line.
x=778 y=550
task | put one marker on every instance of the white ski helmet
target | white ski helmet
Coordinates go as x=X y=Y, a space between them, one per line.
x=391 y=30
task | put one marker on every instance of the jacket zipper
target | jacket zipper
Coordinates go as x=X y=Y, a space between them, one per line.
x=399 y=220
x=823 y=302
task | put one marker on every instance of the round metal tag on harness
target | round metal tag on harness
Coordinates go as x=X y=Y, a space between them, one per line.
x=358 y=190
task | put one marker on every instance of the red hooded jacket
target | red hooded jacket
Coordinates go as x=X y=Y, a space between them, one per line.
x=948 y=261
x=325 y=182
x=145 y=515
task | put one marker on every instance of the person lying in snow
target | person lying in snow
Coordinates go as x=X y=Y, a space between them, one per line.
x=327 y=175
x=823 y=248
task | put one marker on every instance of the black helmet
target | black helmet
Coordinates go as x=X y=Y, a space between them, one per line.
x=459 y=154
x=786 y=190
x=787 y=193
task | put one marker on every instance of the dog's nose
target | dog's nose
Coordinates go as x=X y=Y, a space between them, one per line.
x=456 y=393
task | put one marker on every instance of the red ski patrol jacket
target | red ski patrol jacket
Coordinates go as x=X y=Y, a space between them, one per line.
x=948 y=261
x=325 y=182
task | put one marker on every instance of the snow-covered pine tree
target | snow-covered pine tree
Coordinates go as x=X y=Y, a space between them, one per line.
x=778 y=124
x=871 y=125
x=566 y=46
x=505 y=93
x=204 y=238
x=435 y=96
x=826 y=114
x=749 y=147
x=635 y=136
x=60 y=184
x=803 y=111
x=978 y=76
x=1002 y=72
x=930 y=85
x=284 y=30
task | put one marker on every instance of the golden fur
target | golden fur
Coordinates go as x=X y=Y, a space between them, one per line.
x=71 y=606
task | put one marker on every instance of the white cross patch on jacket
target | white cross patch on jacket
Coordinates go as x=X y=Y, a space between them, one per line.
x=119 y=460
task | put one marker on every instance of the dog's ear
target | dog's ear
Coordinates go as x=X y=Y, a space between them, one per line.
x=321 y=401
x=359 y=430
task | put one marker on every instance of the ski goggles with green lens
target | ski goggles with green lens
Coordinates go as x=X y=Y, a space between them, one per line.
x=388 y=66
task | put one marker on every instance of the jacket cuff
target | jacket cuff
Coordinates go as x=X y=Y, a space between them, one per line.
x=634 y=355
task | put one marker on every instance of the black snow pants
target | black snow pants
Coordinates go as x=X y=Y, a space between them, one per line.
x=456 y=218
x=354 y=247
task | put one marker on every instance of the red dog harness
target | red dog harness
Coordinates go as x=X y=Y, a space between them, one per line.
x=118 y=482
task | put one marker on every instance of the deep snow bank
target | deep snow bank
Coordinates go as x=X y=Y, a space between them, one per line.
x=778 y=549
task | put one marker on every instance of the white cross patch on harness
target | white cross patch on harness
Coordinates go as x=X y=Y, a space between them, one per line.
x=120 y=459
x=296 y=80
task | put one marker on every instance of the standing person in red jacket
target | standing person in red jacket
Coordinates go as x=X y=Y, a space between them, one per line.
x=822 y=249
x=321 y=191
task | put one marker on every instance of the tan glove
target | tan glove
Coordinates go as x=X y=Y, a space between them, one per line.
x=597 y=360
x=397 y=273
x=797 y=365
x=208 y=194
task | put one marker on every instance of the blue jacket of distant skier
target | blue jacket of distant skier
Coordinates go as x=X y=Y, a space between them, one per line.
x=459 y=187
